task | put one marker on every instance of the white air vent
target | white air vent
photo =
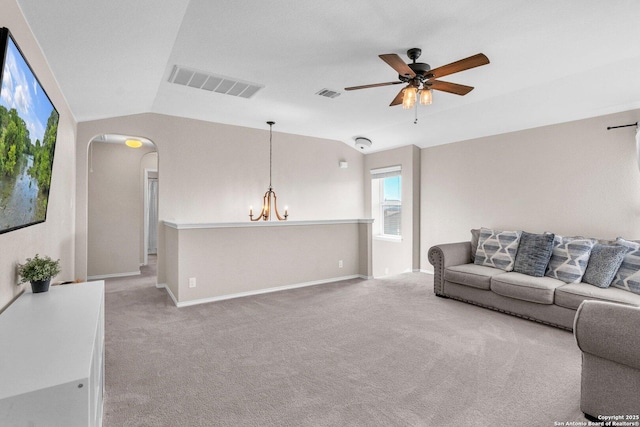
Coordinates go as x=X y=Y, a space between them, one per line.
x=207 y=81
x=328 y=93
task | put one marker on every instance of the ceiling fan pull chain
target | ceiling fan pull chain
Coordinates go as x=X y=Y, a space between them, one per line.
x=415 y=122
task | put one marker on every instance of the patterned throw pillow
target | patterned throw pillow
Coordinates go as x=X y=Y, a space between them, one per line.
x=497 y=248
x=604 y=262
x=628 y=275
x=534 y=253
x=569 y=258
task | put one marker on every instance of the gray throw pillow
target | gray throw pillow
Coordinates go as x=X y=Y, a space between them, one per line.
x=475 y=235
x=604 y=262
x=534 y=253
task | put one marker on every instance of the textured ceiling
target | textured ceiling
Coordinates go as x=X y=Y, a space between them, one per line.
x=551 y=61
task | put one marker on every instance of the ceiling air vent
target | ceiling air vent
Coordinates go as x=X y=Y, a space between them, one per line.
x=328 y=93
x=212 y=83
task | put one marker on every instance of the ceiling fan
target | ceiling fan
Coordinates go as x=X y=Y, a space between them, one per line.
x=421 y=79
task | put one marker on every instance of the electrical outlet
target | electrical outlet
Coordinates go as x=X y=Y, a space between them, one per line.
x=340 y=264
x=192 y=282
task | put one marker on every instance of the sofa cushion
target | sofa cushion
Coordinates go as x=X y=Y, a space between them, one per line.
x=497 y=248
x=604 y=262
x=534 y=252
x=628 y=275
x=570 y=258
x=527 y=288
x=571 y=295
x=476 y=276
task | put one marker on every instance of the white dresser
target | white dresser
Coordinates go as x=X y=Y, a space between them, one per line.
x=52 y=358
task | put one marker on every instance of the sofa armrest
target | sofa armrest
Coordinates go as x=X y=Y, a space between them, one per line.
x=445 y=255
x=609 y=331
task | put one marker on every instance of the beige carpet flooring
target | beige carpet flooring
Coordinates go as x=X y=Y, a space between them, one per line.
x=383 y=352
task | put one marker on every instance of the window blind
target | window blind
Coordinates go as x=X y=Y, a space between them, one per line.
x=386 y=172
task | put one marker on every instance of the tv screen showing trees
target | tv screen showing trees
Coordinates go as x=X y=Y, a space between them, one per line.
x=28 y=128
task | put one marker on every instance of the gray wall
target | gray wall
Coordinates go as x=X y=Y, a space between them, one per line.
x=394 y=257
x=55 y=237
x=115 y=209
x=213 y=172
x=573 y=178
x=227 y=259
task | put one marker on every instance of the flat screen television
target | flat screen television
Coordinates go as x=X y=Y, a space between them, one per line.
x=28 y=130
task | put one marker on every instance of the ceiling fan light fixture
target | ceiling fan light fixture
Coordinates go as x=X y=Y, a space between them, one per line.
x=421 y=79
x=426 y=97
x=409 y=97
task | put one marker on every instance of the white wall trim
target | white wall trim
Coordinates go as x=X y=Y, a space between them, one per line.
x=258 y=291
x=145 y=203
x=110 y=276
x=386 y=172
x=168 y=289
x=180 y=226
x=387 y=238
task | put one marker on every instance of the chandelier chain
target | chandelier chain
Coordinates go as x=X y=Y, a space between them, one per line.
x=270 y=152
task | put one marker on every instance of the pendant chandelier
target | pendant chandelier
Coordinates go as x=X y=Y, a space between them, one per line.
x=267 y=213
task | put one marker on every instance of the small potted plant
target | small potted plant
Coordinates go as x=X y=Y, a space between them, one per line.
x=39 y=271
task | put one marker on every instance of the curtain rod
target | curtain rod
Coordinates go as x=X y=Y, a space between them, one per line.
x=622 y=126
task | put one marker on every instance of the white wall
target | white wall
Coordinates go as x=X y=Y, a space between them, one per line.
x=575 y=178
x=55 y=236
x=211 y=172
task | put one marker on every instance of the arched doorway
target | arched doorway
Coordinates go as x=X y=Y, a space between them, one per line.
x=116 y=206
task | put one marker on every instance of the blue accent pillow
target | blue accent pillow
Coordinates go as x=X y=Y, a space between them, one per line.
x=534 y=253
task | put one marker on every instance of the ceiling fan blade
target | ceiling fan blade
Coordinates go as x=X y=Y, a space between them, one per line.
x=461 y=65
x=397 y=64
x=398 y=99
x=373 y=85
x=455 y=88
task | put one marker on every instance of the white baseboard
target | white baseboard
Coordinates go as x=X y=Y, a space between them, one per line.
x=111 y=276
x=168 y=289
x=256 y=292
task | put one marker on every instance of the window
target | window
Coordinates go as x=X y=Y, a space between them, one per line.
x=386 y=202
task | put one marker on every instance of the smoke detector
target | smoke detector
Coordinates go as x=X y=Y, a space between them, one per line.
x=362 y=142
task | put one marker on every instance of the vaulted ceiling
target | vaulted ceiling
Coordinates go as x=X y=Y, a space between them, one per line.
x=551 y=61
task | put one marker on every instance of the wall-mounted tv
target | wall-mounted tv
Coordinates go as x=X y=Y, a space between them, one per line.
x=28 y=130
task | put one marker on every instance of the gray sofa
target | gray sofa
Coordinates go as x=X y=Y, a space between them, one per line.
x=608 y=337
x=542 y=299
